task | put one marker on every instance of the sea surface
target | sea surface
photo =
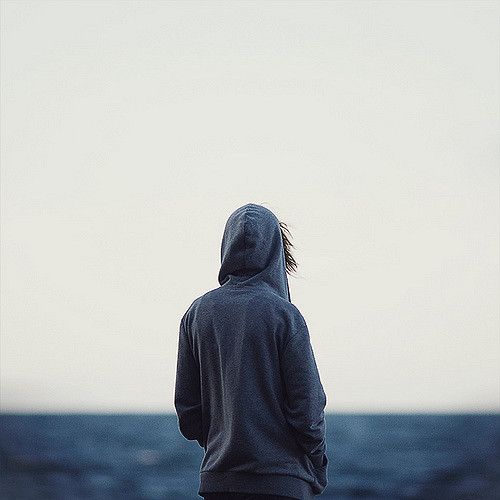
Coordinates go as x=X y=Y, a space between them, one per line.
x=382 y=456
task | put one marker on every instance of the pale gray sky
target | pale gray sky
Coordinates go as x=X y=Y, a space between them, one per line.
x=130 y=132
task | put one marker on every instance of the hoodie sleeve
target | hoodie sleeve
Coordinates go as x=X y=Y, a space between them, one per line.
x=305 y=398
x=187 y=399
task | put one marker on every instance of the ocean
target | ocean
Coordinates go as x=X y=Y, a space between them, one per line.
x=382 y=456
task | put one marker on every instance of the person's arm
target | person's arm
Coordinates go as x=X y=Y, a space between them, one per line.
x=305 y=397
x=187 y=398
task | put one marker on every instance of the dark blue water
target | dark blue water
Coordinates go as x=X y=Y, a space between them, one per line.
x=390 y=456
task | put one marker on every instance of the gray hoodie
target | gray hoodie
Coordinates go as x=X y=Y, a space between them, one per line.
x=247 y=386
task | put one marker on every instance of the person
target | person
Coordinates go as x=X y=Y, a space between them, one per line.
x=247 y=387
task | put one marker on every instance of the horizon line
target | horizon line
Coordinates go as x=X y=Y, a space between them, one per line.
x=173 y=413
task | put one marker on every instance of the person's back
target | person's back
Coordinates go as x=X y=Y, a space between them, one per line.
x=247 y=385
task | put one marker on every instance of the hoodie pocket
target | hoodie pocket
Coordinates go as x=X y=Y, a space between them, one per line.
x=324 y=463
x=321 y=477
x=321 y=472
x=318 y=460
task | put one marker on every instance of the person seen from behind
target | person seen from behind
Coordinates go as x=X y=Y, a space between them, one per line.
x=247 y=386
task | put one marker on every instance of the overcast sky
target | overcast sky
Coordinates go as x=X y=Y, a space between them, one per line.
x=131 y=130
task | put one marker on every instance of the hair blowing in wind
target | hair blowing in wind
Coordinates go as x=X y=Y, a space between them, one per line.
x=291 y=263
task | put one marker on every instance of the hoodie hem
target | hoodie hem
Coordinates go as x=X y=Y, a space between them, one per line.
x=246 y=482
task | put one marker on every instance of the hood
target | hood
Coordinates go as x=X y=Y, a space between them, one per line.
x=252 y=250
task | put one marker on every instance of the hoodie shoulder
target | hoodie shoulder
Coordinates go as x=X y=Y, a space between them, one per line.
x=295 y=312
x=273 y=307
x=277 y=306
x=193 y=306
